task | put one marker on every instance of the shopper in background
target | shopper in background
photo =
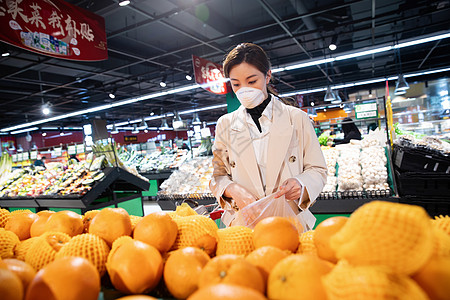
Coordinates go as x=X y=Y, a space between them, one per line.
x=351 y=132
x=40 y=162
x=265 y=146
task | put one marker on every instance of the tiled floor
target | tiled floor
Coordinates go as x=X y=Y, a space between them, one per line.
x=151 y=206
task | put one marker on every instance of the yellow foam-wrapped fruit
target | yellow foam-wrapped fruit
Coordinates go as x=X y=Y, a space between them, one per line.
x=369 y=282
x=443 y=222
x=4 y=217
x=89 y=246
x=134 y=220
x=44 y=248
x=307 y=245
x=441 y=243
x=8 y=241
x=235 y=240
x=397 y=236
x=196 y=231
x=21 y=249
x=21 y=211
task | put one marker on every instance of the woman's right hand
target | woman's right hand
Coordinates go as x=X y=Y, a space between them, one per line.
x=239 y=194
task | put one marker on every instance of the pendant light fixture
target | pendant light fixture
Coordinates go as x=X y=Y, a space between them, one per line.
x=329 y=95
x=196 y=120
x=114 y=129
x=401 y=85
x=143 y=124
x=164 y=125
x=135 y=129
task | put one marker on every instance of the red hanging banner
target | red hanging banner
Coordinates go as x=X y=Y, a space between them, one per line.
x=210 y=76
x=54 y=28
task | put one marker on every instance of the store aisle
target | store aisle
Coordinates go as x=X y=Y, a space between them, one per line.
x=151 y=206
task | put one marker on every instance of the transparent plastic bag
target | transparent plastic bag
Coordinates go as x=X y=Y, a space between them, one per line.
x=270 y=206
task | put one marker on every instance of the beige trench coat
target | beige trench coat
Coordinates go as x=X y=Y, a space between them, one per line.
x=294 y=151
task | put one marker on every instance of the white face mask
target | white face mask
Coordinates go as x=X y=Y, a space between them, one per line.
x=250 y=97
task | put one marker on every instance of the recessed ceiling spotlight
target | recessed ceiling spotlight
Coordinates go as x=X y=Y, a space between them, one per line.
x=124 y=3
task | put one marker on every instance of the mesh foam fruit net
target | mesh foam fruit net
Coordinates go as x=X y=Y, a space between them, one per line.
x=8 y=240
x=443 y=222
x=369 y=282
x=235 y=240
x=5 y=215
x=192 y=227
x=89 y=246
x=394 y=235
x=42 y=251
x=307 y=245
x=21 y=249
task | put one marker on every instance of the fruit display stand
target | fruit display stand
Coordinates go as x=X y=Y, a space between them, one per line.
x=118 y=188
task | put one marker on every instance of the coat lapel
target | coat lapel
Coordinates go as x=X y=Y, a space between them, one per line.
x=279 y=140
x=242 y=143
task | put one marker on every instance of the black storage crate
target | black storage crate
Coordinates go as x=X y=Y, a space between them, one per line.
x=433 y=206
x=407 y=159
x=423 y=184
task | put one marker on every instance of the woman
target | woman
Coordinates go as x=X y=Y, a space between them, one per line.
x=264 y=146
x=351 y=132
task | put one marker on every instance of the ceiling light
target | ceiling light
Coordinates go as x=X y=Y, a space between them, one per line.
x=312 y=103
x=143 y=125
x=332 y=46
x=114 y=129
x=399 y=92
x=135 y=129
x=152 y=113
x=163 y=81
x=44 y=133
x=196 y=120
x=164 y=124
x=4 y=54
x=146 y=130
x=329 y=95
x=124 y=2
x=401 y=83
x=188 y=77
x=111 y=95
x=61 y=131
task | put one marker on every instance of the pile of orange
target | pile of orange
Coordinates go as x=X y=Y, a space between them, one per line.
x=182 y=253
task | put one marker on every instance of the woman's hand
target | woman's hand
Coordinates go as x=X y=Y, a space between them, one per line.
x=291 y=189
x=239 y=194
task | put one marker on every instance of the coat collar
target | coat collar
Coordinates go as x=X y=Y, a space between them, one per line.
x=279 y=139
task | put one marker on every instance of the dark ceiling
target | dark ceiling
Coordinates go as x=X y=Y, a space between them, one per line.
x=149 y=39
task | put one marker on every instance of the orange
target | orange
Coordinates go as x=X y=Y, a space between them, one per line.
x=20 y=251
x=111 y=223
x=182 y=271
x=225 y=291
x=11 y=287
x=117 y=243
x=87 y=218
x=196 y=231
x=307 y=245
x=135 y=267
x=43 y=250
x=265 y=258
x=65 y=221
x=394 y=235
x=235 y=240
x=276 y=231
x=157 y=229
x=323 y=232
x=38 y=226
x=298 y=276
x=66 y=278
x=233 y=269
x=8 y=241
x=89 y=246
x=4 y=217
x=24 y=271
x=434 y=278
x=369 y=282
x=20 y=224
x=137 y=297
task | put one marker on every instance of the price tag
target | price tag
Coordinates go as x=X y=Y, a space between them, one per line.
x=14 y=157
x=33 y=154
x=25 y=156
x=19 y=156
x=80 y=148
x=72 y=149
x=58 y=151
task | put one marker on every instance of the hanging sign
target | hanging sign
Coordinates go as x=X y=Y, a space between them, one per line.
x=25 y=156
x=80 y=148
x=72 y=149
x=14 y=157
x=19 y=156
x=33 y=154
x=210 y=76
x=366 y=110
x=54 y=28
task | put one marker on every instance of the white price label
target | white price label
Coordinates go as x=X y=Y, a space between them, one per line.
x=19 y=156
x=58 y=151
x=14 y=157
x=25 y=156
x=80 y=148
x=71 y=150
x=33 y=155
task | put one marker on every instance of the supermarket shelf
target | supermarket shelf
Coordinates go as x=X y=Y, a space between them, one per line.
x=344 y=206
x=115 y=179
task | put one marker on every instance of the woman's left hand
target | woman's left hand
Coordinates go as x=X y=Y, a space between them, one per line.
x=291 y=189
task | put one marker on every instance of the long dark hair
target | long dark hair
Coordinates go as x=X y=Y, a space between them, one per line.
x=253 y=55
